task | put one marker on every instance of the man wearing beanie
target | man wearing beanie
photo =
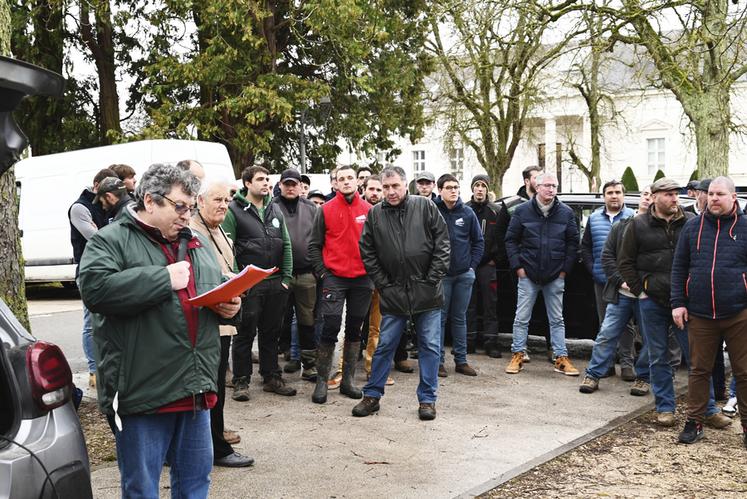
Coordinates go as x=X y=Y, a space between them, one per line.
x=484 y=291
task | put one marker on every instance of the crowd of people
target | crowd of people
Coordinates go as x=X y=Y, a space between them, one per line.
x=407 y=271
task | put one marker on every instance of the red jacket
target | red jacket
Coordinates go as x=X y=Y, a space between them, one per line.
x=343 y=224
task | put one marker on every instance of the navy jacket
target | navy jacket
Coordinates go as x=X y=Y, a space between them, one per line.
x=467 y=244
x=543 y=246
x=709 y=272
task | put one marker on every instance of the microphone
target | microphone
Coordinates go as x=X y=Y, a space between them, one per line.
x=184 y=236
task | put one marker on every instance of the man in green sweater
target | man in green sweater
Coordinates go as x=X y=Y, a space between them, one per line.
x=257 y=227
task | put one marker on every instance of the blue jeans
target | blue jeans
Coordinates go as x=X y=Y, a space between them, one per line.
x=427 y=328
x=616 y=318
x=147 y=441
x=295 y=348
x=527 y=294
x=457 y=293
x=655 y=324
x=88 y=340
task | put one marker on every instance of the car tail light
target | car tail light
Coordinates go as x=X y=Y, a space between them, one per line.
x=49 y=374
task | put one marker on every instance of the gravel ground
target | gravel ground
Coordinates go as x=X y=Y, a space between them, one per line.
x=99 y=438
x=641 y=459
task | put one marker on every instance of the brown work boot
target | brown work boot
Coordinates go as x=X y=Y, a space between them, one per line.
x=717 y=420
x=563 y=365
x=465 y=369
x=278 y=386
x=517 y=359
x=427 y=412
x=366 y=407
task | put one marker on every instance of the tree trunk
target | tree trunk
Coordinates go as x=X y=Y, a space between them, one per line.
x=101 y=46
x=12 y=286
x=711 y=119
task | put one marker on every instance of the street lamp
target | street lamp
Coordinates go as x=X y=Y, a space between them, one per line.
x=325 y=106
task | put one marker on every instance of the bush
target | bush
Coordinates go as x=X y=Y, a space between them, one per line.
x=629 y=180
x=659 y=174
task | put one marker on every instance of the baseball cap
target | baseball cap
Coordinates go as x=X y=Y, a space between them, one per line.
x=305 y=180
x=316 y=193
x=664 y=184
x=290 y=174
x=109 y=184
x=425 y=176
x=693 y=184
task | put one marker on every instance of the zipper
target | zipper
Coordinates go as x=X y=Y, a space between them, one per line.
x=713 y=266
x=687 y=286
x=744 y=279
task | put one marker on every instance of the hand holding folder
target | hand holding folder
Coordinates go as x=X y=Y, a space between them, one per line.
x=235 y=286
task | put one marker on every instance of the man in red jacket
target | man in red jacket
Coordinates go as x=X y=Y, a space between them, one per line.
x=336 y=258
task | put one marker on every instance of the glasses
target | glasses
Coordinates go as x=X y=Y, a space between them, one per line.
x=549 y=186
x=180 y=208
x=450 y=188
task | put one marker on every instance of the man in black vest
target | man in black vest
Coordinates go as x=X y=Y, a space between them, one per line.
x=299 y=218
x=257 y=227
x=86 y=218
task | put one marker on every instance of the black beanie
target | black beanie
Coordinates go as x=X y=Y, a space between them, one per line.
x=478 y=178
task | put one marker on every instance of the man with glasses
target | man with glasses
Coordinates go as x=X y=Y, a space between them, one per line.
x=542 y=245
x=257 y=227
x=158 y=356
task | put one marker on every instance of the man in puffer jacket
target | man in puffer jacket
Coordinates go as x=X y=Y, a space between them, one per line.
x=542 y=246
x=709 y=293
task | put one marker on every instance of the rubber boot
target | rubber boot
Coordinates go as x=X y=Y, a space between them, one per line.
x=350 y=355
x=308 y=361
x=323 y=363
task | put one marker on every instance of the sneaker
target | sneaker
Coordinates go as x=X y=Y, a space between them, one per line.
x=588 y=385
x=334 y=383
x=427 y=412
x=234 y=460
x=278 y=386
x=442 y=371
x=241 y=390
x=465 y=369
x=665 y=418
x=717 y=420
x=692 y=433
x=526 y=358
x=366 y=407
x=730 y=409
x=292 y=366
x=389 y=381
x=514 y=366
x=627 y=374
x=309 y=374
x=640 y=388
x=563 y=365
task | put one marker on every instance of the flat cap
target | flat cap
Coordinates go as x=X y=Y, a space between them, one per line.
x=425 y=176
x=664 y=184
x=704 y=184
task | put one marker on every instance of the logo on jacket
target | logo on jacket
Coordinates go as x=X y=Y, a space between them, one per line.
x=459 y=222
x=361 y=219
x=276 y=223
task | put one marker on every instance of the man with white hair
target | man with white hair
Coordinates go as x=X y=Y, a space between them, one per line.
x=542 y=245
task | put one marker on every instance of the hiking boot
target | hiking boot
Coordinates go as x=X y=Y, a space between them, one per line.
x=427 y=412
x=293 y=366
x=323 y=364
x=465 y=369
x=730 y=409
x=717 y=420
x=308 y=363
x=588 y=385
x=665 y=418
x=514 y=366
x=240 y=389
x=404 y=366
x=442 y=371
x=492 y=350
x=563 y=365
x=277 y=385
x=366 y=407
x=526 y=358
x=640 y=388
x=692 y=433
x=350 y=355
x=627 y=374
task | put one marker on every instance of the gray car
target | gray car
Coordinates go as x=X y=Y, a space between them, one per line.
x=42 y=449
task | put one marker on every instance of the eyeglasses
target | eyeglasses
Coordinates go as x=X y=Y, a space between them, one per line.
x=548 y=186
x=180 y=208
x=450 y=188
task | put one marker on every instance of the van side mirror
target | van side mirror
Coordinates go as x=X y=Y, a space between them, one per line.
x=19 y=79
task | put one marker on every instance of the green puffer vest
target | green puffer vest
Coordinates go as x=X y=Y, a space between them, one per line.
x=142 y=347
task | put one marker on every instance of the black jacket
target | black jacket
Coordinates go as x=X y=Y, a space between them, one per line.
x=609 y=261
x=487 y=216
x=646 y=254
x=405 y=250
x=543 y=246
x=98 y=216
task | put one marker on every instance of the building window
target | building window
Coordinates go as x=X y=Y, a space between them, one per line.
x=655 y=148
x=456 y=159
x=418 y=161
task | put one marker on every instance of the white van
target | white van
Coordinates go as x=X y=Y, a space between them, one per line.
x=49 y=184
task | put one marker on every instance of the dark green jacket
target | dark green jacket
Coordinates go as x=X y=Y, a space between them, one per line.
x=141 y=343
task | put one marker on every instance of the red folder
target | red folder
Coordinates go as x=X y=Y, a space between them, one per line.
x=242 y=281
